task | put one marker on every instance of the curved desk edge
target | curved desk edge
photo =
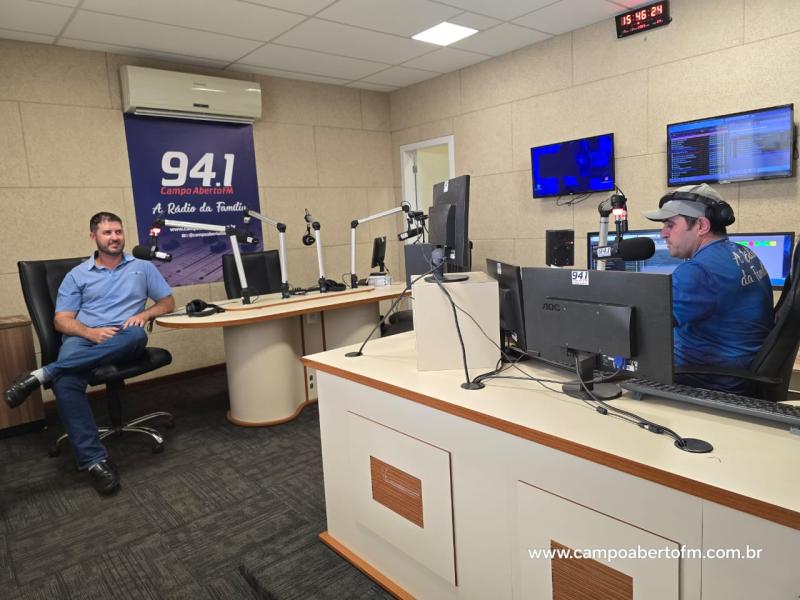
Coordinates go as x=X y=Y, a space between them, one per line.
x=294 y=308
x=758 y=508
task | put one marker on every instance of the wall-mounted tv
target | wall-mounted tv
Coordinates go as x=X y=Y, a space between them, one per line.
x=575 y=167
x=756 y=144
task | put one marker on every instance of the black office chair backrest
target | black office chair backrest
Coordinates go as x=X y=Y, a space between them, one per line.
x=777 y=354
x=40 y=281
x=262 y=269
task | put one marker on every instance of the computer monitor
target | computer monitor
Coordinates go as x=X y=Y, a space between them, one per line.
x=661 y=261
x=775 y=251
x=512 y=322
x=448 y=222
x=379 y=254
x=577 y=166
x=592 y=314
x=755 y=144
x=773 y=248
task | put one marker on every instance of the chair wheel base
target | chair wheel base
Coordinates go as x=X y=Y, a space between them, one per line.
x=158 y=448
x=53 y=452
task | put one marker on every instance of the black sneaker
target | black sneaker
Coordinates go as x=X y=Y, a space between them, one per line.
x=104 y=477
x=17 y=392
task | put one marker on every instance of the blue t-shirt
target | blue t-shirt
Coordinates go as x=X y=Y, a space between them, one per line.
x=722 y=311
x=103 y=297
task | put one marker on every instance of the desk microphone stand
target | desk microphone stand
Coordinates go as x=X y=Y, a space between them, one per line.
x=281 y=227
x=616 y=204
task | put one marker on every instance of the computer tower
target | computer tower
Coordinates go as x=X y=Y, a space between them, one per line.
x=560 y=247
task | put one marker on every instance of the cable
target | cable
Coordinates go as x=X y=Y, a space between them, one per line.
x=388 y=312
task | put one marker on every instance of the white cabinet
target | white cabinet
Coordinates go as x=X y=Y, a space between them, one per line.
x=768 y=562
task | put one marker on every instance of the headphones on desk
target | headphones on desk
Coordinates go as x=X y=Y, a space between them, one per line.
x=200 y=308
x=718 y=212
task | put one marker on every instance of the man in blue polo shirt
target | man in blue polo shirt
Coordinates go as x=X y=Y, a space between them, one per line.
x=101 y=313
x=721 y=296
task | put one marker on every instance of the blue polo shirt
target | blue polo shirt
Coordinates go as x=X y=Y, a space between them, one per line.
x=722 y=311
x=103 y=297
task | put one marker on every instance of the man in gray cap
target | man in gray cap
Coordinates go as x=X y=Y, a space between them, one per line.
x=721 y=295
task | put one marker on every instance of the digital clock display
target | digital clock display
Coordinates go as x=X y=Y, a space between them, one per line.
x=643 y=18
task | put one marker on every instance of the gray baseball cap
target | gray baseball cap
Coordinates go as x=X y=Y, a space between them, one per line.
x=680 y=202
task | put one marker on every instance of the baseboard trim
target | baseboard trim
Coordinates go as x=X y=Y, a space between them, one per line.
x=363 y=566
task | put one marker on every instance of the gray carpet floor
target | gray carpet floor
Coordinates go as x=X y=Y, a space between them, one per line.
x=225 y=512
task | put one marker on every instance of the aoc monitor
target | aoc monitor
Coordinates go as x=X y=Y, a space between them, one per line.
x=773 y=248
x=579 y=166
x=509 y=283
x=756 y=144
x=571 y=315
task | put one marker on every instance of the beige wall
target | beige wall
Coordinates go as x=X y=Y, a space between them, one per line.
x=335 y=150
x=63 y=157
x=717 y=56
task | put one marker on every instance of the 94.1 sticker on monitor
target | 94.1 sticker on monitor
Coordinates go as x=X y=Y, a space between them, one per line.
x=580 y=278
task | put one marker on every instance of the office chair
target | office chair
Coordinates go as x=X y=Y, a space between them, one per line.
x=771 y=369
x=262 y=269
x=40 y=282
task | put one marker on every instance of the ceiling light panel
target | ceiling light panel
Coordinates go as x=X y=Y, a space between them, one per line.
x=334 y=38
x=445 y=34
x=389 y=16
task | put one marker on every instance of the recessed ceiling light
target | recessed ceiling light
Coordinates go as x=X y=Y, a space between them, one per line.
x=444 y=34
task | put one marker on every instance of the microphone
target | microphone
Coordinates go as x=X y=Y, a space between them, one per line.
x=151 y=253
x=403 y=236
x=640 y=248
x=245 y=237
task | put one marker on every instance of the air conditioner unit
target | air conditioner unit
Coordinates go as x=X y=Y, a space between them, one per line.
x=154 y=92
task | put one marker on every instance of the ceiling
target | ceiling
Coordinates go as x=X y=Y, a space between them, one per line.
x=357 y=43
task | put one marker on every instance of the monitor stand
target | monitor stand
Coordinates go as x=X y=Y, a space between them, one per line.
x=601 y=391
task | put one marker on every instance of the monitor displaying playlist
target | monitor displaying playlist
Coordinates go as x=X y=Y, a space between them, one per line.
x=773 y=248
x=756 y=144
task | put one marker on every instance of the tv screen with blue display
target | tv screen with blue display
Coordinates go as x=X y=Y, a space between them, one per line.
x=574 y=167
x=773 y=248
x=757 y=144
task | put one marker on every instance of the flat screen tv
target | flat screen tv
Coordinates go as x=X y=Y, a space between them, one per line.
x=575 y=167
x=756 y=144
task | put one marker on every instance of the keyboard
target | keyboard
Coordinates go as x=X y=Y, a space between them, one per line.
x=723 y=401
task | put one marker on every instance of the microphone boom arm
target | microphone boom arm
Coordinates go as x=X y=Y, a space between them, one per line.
x=229 y=230
x=404 y=207
x=281 y=227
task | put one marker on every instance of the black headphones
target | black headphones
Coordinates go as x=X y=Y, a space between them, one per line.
x=718 y=212
x=200 y=308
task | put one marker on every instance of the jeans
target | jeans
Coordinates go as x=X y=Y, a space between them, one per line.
x=70 y=376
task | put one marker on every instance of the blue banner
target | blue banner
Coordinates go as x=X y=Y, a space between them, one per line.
x=194 y=171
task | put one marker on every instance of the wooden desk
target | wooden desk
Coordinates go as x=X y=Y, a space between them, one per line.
x=267 y=383
x=494 y=474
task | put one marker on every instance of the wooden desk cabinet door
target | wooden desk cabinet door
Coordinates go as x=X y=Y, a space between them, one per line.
x=16 y=357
